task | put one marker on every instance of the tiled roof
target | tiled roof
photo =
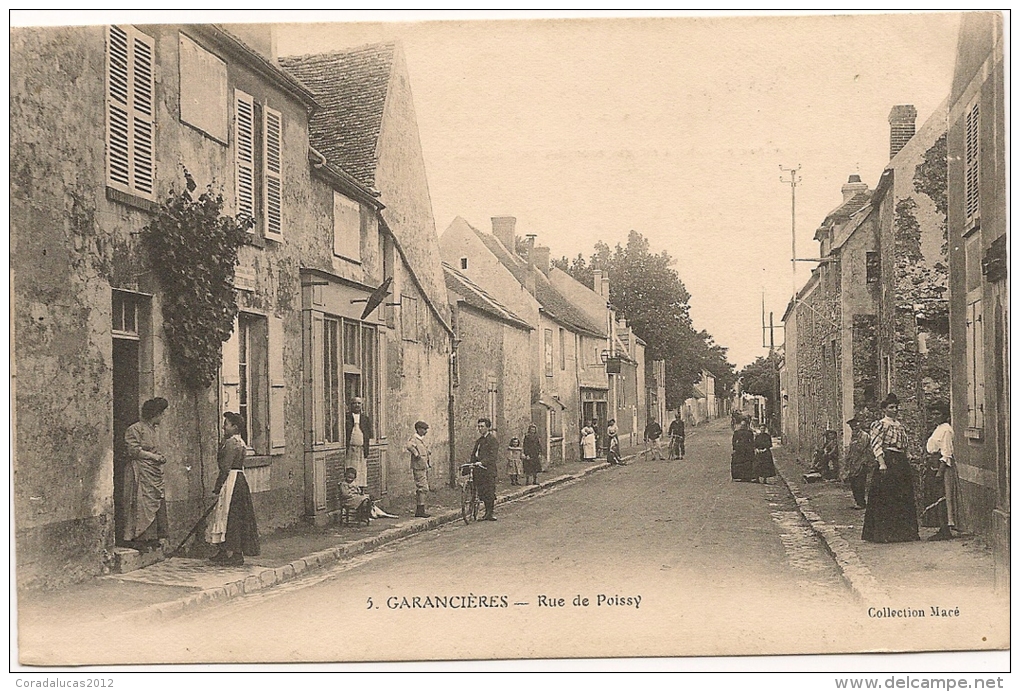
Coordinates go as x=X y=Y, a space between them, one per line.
x=472 y=294
x=552 y=301
x=351 y=87
x=847 y=209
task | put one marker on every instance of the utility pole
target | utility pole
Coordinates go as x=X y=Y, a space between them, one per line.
x=792 y=182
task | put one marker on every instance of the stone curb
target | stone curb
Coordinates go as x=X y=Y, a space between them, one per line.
x=270 y=577
x=852 y=569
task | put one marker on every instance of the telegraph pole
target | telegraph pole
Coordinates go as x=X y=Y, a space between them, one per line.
x=792 y=182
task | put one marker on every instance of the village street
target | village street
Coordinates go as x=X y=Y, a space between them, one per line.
x=719 y=567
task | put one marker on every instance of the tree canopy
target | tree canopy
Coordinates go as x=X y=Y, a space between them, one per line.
x=646 y=290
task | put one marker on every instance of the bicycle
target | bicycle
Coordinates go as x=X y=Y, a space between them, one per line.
x=676 y=447
x=468 y=494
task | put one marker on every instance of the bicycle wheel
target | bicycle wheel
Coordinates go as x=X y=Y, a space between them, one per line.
x=468 y=503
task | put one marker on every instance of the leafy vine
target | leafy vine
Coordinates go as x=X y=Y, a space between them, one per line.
x=193 y=251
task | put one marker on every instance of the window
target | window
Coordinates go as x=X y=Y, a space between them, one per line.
x=563 y=348
x=258 y=142
x=252 y=380
x=130 y=121
x=346 y=228
x=350 y=356
x=975 y=362
x=125 y=315
x=463 y=262
x=971 y=178
x=204 y=95
x=548 y=353
x=887 y=373
x=873 y=267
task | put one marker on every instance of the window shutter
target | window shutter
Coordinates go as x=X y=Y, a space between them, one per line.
x=318 y=388
x=244 y=153
x=979 y=365
x=272 y=174
x=277 y=387
x=230 y=372
x=971 y=194
x=130 y=121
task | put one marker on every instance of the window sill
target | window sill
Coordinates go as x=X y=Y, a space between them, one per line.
x=345 y=258
x=131 y=200
x=971 y=226
x=974 y=434
x=257 y=461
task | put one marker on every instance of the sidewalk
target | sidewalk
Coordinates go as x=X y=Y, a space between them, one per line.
x=879 y=574
x=178 y=585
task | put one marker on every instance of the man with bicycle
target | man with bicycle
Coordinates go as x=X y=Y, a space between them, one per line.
x=676 y=436
x=485 y=458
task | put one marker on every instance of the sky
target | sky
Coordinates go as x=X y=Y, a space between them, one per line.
x=673 y=126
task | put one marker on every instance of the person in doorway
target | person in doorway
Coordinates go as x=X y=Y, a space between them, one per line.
x=145 y=526
x=859 y=462
x=532 y=454
x=677 y=434
x=514 y=465
x=653 y=432
x=421 y=462
x=485 y=458
x=358 y=427
x=940 y=451
x=233 y=529
x=613 y=444
x=588 y=443
x=890 y=515
x=742 y=458
x=764 y=465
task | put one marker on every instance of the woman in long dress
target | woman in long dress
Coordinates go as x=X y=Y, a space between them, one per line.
x=742 y=461
x=764 y=464
x=233 y=529
x=532 y=455
x=890 y=516
x=588 y=442
x=145 y=521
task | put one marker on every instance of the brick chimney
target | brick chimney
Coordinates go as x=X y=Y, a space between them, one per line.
x=603 y=288
x=541 y=255
x=503 y=229
x=852 y=186
x=901 y=127
x=596 y=284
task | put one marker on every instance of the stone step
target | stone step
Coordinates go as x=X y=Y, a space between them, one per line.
x=128 y=559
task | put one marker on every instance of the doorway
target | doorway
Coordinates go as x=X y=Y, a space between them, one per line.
x=125 y=412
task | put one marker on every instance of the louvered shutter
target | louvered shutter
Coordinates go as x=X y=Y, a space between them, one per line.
x=244 y=153
x=277 y=387
x=272 y=149
x=971 y=194
x=130 y=121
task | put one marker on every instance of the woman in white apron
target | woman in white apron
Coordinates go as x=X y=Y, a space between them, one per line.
x=233 y=529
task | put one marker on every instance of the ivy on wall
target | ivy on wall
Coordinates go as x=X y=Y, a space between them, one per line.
x=193 y=251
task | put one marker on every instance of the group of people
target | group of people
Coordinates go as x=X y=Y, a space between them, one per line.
x=590 y=447
x=231 y=529
x=521 y=459
x=751 y=459
x=677 y=433
x=881 y=477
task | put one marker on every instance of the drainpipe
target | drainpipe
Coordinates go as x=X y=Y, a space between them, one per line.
x=450 y=421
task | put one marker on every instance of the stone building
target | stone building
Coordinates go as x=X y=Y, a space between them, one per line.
x=978 y=289
x=366 y=135
x=871 y=318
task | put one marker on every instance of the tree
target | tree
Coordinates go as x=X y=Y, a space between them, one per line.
x=646 y=290
x=759 y=378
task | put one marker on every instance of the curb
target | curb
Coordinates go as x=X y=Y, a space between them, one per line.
x=852 y=569
x=278 y=575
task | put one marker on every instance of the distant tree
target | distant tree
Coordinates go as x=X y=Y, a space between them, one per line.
x=759 y=378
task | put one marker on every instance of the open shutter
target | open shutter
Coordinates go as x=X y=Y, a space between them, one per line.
x=979 y=365
x=118 y=152
x=272 y=173
x=277 y=387
x=318 y=380
x=143 y=156
x=230 y=373
x=244 y=153
x=130 y=120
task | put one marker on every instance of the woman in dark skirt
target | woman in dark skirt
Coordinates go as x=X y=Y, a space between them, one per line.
x=233 y=527
x=891 y=516
x=742 y=461
x=532 y=456
x=764 y=465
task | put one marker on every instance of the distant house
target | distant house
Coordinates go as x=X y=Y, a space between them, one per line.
x=492 y=370
x=978 y=288
x=365 y=138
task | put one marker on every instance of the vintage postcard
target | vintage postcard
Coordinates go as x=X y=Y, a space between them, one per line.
x=522 y=340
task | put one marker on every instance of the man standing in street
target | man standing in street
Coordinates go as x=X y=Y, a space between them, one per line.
x=359 y=432
x=485 y=457
x=941 y=444
x=421 y=462
x=653 y=431
x=676 y=436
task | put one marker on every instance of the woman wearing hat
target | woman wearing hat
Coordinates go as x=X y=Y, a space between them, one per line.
x=890 y=516
x=144 y=496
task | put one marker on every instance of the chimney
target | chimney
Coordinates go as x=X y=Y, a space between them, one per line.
x=530 y=245
x=901 y=127
x=852 y=186
x=503 y=229
x=541 y=255
x=604 y=288
x=596 y=284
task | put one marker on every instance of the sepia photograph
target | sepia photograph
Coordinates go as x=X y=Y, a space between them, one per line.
x=511 y=341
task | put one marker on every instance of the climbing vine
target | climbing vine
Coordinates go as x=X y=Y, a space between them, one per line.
x=193 y=251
